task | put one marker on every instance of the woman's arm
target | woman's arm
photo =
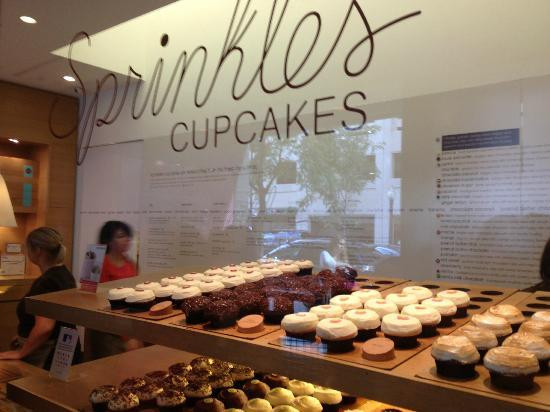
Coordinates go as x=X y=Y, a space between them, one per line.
x=40 y=333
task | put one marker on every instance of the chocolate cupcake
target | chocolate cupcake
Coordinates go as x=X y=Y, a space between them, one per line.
x=347 y=302
x=219 y=382
x=180 y=368
x=306 y=267
x=225 y=294
x=459 y=298
x=279 y=396
x=209 y=405
x=511 y=368
x=499 y=326
x=300 y=325
x=222 y=314
x=420 y=292
x=367 y=322
x=531 y=343
x=199 y=376
x=536 y=327
x=346 y=272
x=241 y=374
x=148 y=394
x=402 y=299
x=117 y=297
x=382 y=307
x=155 y=376
x=337 y=334
x=220 y=367
x=171 y=400
x=274 y=380
x=255 y=389
x=132 y=383
x=257 y=405
x=123 y=401
x=330 y=398
x=181 y=293
x=173 y=382
x=274 y=308
x=446 y=308
x=250 y=303
x=483 y=339
x=327 y=311
x=366 y=294
x=195 y=308
x=403 y=330
x=300 y=388
x=140 y=300
x=455 y=356
x=306 y=403
x=100 y=397
x=510 y=313
x=164 y=293
x=196 y=391
x=428 y=317
x=233 y=398
x=301 y=299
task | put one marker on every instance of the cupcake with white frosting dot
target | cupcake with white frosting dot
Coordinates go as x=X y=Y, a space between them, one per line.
x=420 y=292
x=337 y=334
x=428 y=317
x=249 y=264
x=300 y=325
x=327 y=311
x=367 y=322
x=233 y=281
x=185 y=283
x=346 y=302
x=402 y=299
x=403 y=330
x=252 y=275
x=279 y=396
x=446 y=308
x=270 y=271
x=213 y=271
x=147 y=285
x=459 y=298
x=141 y=300
x=165 y=292
x=257 y=405
x=382 y=306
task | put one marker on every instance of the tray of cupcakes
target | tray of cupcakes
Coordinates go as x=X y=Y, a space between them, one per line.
x=211 y=385
x=370 y=330
x=500 y=351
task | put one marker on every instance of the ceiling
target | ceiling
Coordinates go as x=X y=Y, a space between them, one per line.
x=25 y=49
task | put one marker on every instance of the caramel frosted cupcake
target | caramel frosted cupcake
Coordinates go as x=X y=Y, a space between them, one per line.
x=499 y=326
x=542 y=316
x=255 y=389
x=279 y=396
x=330 y=398
x=367 y=322
x=382 y=307
x=420 y=292
x=306 y=267
x=117 y=297
x=171 y=400
x=327 y=311
x=257 y=405
x=511 y=368
x=428 y=317
x=300 y=388
x=536 y=327
x=337 y=334
x=510 y=313
x=446 y=308
x=403 y=330
x=346 y=302
x=402 y=299
x=233 y=398
x=531 y=343
x=123 y=401
x=459 y=298
x=366 y=294
x=300 y=325
x=148 y=394
x=307 y=403
x=100 y=397
x=455 y=356
x=209 y=405
x=483 y=339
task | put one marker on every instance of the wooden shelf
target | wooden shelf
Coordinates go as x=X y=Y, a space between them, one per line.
x=400 y=385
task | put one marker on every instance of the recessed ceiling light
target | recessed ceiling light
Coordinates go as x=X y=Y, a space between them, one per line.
x=27 y=19
x=69 y=78
x=14 y=141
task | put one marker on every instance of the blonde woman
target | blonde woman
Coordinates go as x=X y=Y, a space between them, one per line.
x=37 y=335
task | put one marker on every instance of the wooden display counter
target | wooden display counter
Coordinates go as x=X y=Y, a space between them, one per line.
x=401 y=385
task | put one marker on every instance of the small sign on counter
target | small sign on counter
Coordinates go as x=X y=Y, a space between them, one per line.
x=64 y=353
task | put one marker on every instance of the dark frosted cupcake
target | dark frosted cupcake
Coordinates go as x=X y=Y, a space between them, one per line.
x=275 y=308
x=511 y=368
x=100 y=397
x=256 y=389
x=199 y=376
x=202 y=363
x=455 y=357
x=222 y=314
x=241 y=374
x=132 y=383
x=209 y=405
x=274 y=380
x=219 y=382
x=147 y=394
x=155 y=376
x=233 y=398
x=196 y=391
x=171 y=400
x=250 y=303
x=180 y=368
x=177 y=382
x=195 y=308
x=123 y=401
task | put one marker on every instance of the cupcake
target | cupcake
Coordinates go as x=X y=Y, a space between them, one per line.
x=255 y=389
x=483 y=339
x=279 y=396
x=194 y=276
x=231 y=267
x=366 y=294
x=330 y=398
x=428 y=317
x=184 y=283
x=231 y=273
x=499 y=326
x=171 y=280
x=327 y=311
x=285 y=408
x=274 y=380
x=367 y=322
x=402 y=299
x=100 y=397
x=382 y=307
x=147 y=285
x=459 y=298
x=209 y=286
x=252 y=276
x=219 y=382
x=148 y=394
x=163 y=293
x=196 y=391
x=117 y=297
x=140 y=300
x=542 y=316
x=257 y=405
x=132 y=383
x=233 y=281
x=300 y=388
x=173 y=382
x=289 y=268
x=184 y=292
x=249 y=264
x=306 y=267
x=307 y=403
x=536 y=327
x=455 y=356
x=403 y=330
x=270 y=271
x=511 y=368
x=171 y=400
x=241 y=374
x=155 y=376
x=275 y=308
x=222 y=314
x=531 y=343
x=123 y=401
x=446 y=308
x=199 y=375
x=202 y=363
x=209 y=405
x=180 y=368
x=420 y=292
x=346 y=302
x=510 y=313
x=214 y=272
x=337 y=334
x=300 y=325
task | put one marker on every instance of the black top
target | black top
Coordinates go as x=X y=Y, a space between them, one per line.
x=53 y=280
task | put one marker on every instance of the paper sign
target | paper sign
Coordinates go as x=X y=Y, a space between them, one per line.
x=13 y=264
x=91 y=267
x=13 y=247
x=64 y=353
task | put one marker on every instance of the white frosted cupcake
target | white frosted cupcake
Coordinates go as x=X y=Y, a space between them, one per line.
x=141 y=300
x=186 y=283
x=306 y=267
x=445 y=307
x=252 y=276
x=184 y=292
x=531 y=343
x=214 y=271
x=499 y=326
x=459 y=298
x=420 y=292
x=289 y=268
x=231 y=267
x=382 y=307
x=306 y=403
x=367 y=322
x=147 y=285
x=301 y=325
x=233 y=272
x=402 y=299
x=337 y=334
x=257 y=405
x=346 y=302
x=171 y=280
x=231 y=282
x=428 y=317
x=367 y=294
x=510 y=313
x=208 y=286
x=249 y=264
x=403 y=330
x=330 y=399
x=300 y=388
x=455 y=356
x=217 y=278
x=117 y=297
x=163 y=293
x=271 y=271
x=327 y=311
x=279 y=396
x=194 y=276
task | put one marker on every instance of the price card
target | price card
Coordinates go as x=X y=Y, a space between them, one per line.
x=64 y=353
